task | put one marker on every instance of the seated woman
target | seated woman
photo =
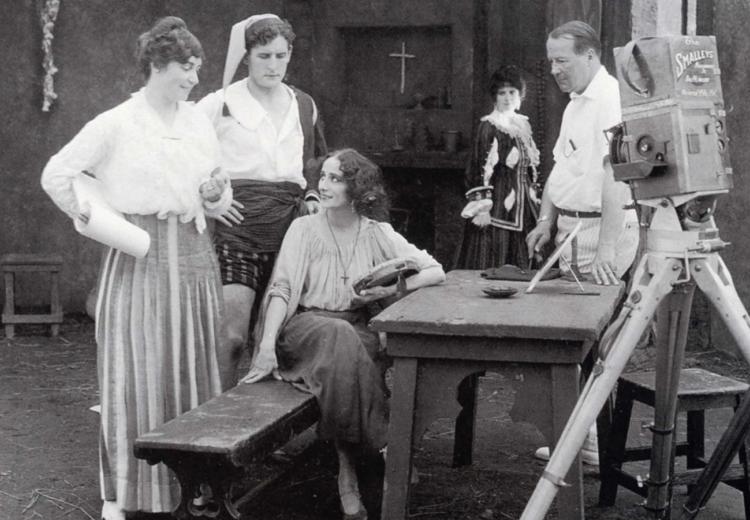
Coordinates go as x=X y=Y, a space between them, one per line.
x=313 y=327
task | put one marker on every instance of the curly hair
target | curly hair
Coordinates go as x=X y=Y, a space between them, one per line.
x=265 y=31
x=507 y=75
x=168 y=40
x=364 y=183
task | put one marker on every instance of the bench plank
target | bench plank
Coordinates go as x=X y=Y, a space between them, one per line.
x=223 y=424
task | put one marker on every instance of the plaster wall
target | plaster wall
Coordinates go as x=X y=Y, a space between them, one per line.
x=656 y=17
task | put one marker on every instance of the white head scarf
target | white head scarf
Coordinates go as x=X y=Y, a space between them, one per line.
x=237 y=50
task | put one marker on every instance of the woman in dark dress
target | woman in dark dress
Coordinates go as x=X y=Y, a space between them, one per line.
x=501 y=181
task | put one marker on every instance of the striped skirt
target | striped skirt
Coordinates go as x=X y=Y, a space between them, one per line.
x=157 y=328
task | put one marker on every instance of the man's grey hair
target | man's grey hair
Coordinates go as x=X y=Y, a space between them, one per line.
x=583 y=35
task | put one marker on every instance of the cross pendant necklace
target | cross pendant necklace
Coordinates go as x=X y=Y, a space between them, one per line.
x=339 y=255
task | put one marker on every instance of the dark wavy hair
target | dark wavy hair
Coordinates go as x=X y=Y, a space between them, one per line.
x=507 y=75
x=583 y=35
x=364 y=183
x=168 y=40
x=266 y=30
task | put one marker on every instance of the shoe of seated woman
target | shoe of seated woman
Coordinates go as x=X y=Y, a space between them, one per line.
x=589 y=451
x=361 y=513
x=589 y=457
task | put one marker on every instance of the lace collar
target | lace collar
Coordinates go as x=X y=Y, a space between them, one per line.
x=512 y=123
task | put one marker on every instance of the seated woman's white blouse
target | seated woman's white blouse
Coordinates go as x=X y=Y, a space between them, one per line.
x=314 y=271
x=145 y=166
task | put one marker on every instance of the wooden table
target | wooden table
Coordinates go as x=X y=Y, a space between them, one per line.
x=440 y=336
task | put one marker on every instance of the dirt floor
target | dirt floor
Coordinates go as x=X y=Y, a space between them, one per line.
x=48 y=447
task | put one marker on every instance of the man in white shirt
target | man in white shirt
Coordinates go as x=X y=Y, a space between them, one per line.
x=270 y=136
x=581 y=186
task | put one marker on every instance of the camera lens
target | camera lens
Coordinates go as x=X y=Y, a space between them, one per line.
x=645 y=145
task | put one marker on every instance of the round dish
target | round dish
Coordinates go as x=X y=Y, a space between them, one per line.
x=499 y=291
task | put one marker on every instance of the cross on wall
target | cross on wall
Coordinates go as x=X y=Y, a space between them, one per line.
x=403 y=56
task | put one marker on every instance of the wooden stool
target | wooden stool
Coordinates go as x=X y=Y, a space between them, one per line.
x=699 y=390
x=12 y=264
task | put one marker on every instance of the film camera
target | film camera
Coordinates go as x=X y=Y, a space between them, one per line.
x=673 y=137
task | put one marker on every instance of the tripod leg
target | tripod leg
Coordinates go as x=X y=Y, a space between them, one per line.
x=673 y=320
x=728 y=445
x=714 y=280
x=647 y=293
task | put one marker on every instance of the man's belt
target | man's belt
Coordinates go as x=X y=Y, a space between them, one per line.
x=579 y=214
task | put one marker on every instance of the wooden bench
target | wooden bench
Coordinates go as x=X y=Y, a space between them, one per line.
x=215 y=445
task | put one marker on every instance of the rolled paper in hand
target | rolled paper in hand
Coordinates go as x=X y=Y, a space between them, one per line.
x=104 y=224
x=111 y=229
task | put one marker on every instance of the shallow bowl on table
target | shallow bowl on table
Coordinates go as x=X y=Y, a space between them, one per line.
x=499 y=291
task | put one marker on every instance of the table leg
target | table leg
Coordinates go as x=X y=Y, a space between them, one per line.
x=400 y=440
x=565 y=389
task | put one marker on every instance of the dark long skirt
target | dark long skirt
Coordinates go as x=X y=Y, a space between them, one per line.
x=336 y=358
x=483 y=248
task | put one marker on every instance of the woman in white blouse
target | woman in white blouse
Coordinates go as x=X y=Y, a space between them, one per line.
x=158 y=317
x=314 y=327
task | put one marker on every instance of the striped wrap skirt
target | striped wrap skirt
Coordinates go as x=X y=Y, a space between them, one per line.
x=157 y=328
